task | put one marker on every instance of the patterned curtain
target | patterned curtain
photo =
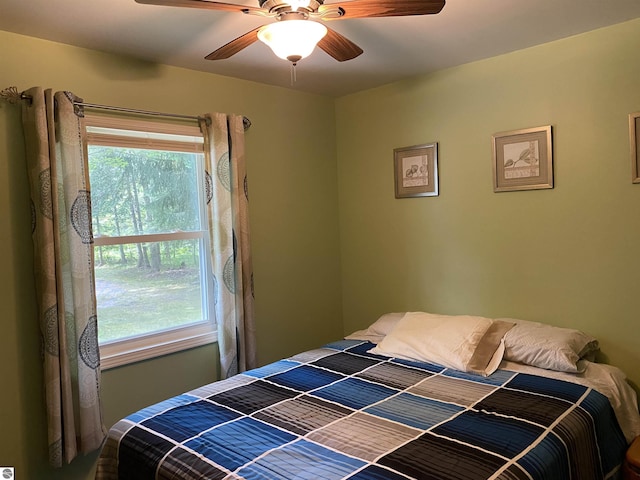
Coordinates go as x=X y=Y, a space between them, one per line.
x=63 y=258
x=227 y=209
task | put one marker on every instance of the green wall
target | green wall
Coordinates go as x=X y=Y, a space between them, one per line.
x=294 y=201
x=567 y=256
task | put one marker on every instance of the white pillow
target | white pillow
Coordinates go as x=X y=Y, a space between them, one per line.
x=378 y=329
x=549 y=347
x=464 y=342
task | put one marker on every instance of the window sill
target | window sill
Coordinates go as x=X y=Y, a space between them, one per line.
x=126 y=352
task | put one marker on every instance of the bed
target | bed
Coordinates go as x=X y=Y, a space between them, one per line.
x=342 y=411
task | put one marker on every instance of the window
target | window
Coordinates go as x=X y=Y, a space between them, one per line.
x=152 y=266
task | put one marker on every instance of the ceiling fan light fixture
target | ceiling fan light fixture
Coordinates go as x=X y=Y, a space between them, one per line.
x=296 y=4
x=292 y=39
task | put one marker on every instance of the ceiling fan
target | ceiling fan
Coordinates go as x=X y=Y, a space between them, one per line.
x=294 y=35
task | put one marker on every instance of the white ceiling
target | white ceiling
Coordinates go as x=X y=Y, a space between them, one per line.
x=394 y=48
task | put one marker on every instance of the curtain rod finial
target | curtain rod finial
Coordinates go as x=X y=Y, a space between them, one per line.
x=11 y=95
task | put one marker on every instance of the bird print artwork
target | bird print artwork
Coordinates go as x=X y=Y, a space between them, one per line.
x=416 y=171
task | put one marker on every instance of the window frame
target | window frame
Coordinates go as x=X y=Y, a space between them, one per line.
x=157 y=135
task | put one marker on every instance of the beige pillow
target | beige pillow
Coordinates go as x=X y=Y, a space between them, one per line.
x=549 y=347
x=463 y=342
x=378 y=329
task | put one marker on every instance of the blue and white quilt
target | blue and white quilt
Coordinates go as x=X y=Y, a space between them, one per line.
x=338 y=412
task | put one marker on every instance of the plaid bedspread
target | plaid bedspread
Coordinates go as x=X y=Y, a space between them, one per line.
x=340 y=413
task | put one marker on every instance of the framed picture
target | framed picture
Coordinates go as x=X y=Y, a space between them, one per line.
x=634 y=138
x=523 y=159
x=416 y=171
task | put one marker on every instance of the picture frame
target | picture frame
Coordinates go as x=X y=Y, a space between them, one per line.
x=416 y=171
x=523 y=159
x=634 y=142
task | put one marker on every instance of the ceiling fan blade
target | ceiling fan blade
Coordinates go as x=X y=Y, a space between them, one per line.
x=204 y=4
x=234 y=46
x=339 y=46
x=384 y=8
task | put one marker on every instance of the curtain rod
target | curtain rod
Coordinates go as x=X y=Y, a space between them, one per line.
x=12 y=95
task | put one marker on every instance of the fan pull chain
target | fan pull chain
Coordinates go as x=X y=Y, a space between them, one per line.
x=293 y=73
